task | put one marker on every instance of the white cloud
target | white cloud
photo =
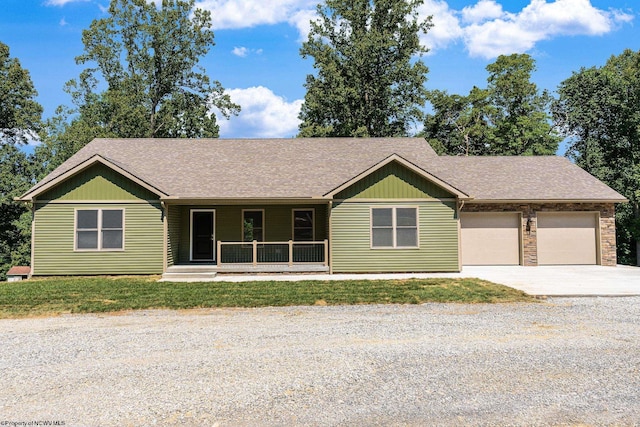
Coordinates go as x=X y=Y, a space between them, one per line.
x=446 y=24
x=264 y=115
x=538 y=21
x=485 y=28
x=63 y=22
x=482 y=11
x=249 y=13
x=243 y=52
x=61 y=2
x=240 y=51
x=302 y=21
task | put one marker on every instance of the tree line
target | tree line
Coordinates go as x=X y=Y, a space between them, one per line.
x=143 y=79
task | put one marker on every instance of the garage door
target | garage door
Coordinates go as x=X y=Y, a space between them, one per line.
x=490 y=238
x=567 y=238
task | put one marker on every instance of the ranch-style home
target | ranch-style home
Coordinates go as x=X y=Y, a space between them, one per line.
x=178 y=207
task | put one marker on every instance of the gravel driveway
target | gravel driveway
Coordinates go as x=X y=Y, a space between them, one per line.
x=559 y=362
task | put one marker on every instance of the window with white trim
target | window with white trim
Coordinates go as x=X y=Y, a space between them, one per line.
x=99 y=229
x=253 y=225
x=394 y=227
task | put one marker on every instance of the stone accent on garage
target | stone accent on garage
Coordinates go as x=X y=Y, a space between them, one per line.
x=529 y=224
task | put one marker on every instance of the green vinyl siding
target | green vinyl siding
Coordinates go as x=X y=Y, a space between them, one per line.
x=278 y=224
x=393 y=181
x=54 y=252
x=97 y=183
x=437 y=236
x=97 y=187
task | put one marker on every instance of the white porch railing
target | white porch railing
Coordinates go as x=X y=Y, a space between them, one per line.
x=255 y=253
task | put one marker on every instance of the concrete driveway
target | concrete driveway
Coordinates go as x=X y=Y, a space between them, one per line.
x=565 y=280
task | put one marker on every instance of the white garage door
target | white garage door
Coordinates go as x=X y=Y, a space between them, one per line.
x=567 y=238
x=490 y=238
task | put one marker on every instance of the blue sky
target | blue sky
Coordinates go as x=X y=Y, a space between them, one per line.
x=256 y=57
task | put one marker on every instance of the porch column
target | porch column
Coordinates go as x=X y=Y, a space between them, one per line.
x=165 y=237
x=255 y=252
x=290 y=253
x=326 y=252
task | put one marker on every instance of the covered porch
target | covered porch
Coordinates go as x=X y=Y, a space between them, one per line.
x=206 y=239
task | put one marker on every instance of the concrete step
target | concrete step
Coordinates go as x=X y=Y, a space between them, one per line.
x=189 y=274
x=192 y=269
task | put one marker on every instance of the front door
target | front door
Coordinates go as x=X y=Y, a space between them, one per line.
x=203 y=235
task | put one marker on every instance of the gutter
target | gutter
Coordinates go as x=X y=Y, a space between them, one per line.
x=493 y=201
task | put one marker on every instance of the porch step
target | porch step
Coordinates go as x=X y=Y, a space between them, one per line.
x=189 y=273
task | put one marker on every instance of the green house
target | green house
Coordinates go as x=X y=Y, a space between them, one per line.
x=181 y=207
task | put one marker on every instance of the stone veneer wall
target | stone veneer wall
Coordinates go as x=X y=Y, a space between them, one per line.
x=529 y=211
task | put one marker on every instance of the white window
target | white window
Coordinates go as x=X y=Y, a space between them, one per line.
x=303 y=225
x=394 y=227
x=99 y=229
x=253 y=225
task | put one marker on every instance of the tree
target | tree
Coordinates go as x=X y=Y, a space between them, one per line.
x=368 y=82
x=19 y=112
x=459 y=125
x=510 y=117
x=597 y=111
x=522 y=123
x=16 y=176
x=147 y=57
x=19 y=122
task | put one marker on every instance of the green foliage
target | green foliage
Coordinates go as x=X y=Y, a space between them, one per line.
x=63 y=136
x=368 y=82
x=19 y=112
x=19 y=122
x=247 y=231
x=16 y=177
x=598 y=111
x=100 y=294
x=147 y=57
x=510 y=117
x=459 y=125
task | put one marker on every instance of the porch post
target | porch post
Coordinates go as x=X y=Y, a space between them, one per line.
x=255 y=252
x=290 y=253
x=165 y=237
x=326 y=252
x=219 y=252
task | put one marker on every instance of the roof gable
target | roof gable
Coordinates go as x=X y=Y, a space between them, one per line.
x=395 y=177
x=97 y=182
x=49 y=184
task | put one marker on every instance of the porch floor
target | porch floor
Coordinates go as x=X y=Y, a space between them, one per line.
x=208 y=272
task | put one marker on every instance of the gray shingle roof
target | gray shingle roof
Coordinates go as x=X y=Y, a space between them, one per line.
x=522 y=178
x=248 y=168
x=312 y=167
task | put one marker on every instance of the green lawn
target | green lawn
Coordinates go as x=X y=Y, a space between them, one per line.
x=105 y=294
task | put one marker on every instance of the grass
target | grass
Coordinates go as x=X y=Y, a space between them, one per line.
x=53 y=296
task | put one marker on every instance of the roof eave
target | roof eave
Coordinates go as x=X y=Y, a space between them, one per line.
x=176 y=200
x=623 y=200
